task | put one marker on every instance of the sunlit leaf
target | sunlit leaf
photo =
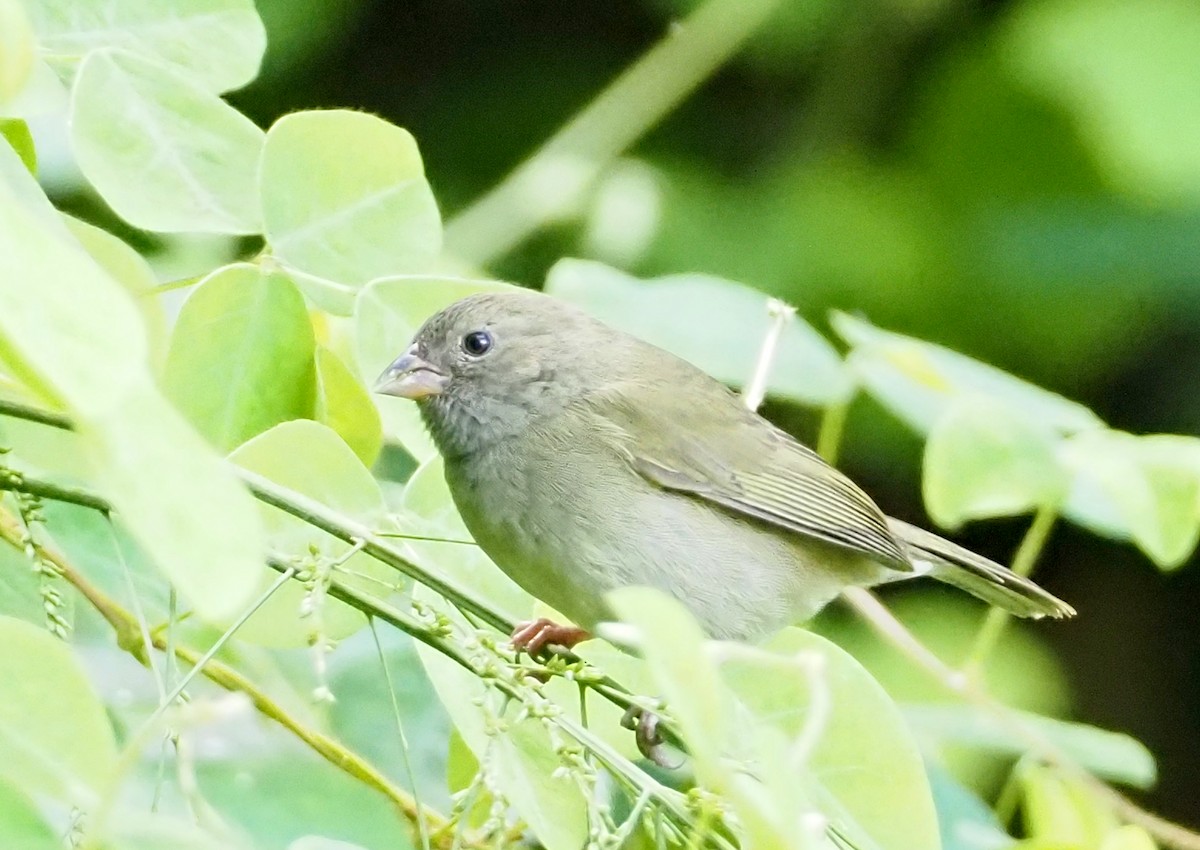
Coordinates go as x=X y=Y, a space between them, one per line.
x=1128 y=837
x=984 y=459
x=386 y=316
x=917 y=380
x=17 y=47
x=55 y=737
x=16 y=133
x=715 y=324
x=171 y=491
x=21 y=824
x=241 y=356
x=1063 y=811
x=312 y=460
x=1143 y=489
x=164 y=152
x=864 y=761
x=126 y=267
x=345 y=197
x=344 y=405
x=1111 y=755
x=219 y=42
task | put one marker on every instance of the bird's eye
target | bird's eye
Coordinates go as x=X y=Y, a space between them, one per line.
x=477 y=343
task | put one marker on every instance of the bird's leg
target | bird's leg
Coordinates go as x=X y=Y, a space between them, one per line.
x=645 y=733
x=535 y=635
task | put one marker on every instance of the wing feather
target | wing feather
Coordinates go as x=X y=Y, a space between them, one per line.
x=737 y=460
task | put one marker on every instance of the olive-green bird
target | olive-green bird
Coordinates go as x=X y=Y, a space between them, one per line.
x=583 y=459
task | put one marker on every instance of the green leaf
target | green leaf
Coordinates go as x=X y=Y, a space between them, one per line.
x=21 y=824
x=20 y=596
x=387 y=315
x=1064 y=811
x=126 y=267
x=716 y=324
x=865 y=764
x=164 y=152
x=801 y=716
x=965 y=821
x=344 y=197
x=241 y=356
x=134 y=829
x=17 y=47
x=1128 y=837
x=16 y=133
x=218 y=42
x=317 y=842
x=1129 y=73
x=277 y=797
x=71 y=334
x=917 y=380
x=55 y=737
x=984 y=459
x=1111 y=755
x=1143 y=489
x=312 y=460
x=344 y=405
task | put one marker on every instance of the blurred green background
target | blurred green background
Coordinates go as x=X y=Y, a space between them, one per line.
x=1016 y=180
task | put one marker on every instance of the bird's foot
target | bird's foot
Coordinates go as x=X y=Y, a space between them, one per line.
x=536 y=635
x=649 y=740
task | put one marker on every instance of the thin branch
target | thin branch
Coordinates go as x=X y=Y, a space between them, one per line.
x=129 y=638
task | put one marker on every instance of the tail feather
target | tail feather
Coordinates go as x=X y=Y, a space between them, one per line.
x=985 y=579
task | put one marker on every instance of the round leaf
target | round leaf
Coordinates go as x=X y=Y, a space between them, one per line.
x=387 y=315
x=241 y=356
x=865 y=764
x=345 y=197
x=1144 y=489
x=344 y=405
x=312 y=460
x=163 y=151
x=218 y=42
x=917 y=380
x=983 y=459
x=54 y=734
x=715 y=324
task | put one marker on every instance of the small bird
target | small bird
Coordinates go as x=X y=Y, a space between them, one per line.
x=583 y=459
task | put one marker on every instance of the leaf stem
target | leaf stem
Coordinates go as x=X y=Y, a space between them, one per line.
x=1023 y=562
x=833 y=426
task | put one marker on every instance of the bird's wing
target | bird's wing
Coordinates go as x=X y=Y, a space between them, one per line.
x=705 y=444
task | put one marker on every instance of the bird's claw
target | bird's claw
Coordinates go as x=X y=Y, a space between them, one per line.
x=534 y=636
x=649 y=740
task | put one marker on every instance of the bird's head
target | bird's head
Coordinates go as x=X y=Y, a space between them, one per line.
x=488 y=366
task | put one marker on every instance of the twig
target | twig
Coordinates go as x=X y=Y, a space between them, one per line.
x=756 y=389
x=129 y=638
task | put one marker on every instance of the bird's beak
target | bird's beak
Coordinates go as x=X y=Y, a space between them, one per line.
x=411 y=377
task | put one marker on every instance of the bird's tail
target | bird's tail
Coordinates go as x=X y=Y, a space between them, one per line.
x=978 y=576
